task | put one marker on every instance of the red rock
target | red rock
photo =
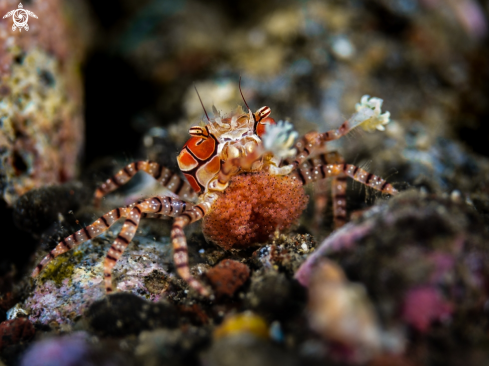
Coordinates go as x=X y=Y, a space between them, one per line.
x=15 y=331
x=195 y=313
x=7 y=300
x=227 y=277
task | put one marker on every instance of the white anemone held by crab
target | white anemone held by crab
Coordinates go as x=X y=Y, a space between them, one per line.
x=369 y=115
x=279 y=139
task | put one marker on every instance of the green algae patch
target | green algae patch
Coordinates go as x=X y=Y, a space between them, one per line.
x=60 y=268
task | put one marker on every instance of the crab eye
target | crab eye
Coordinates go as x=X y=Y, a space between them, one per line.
x=198 y=131
x=263 y=112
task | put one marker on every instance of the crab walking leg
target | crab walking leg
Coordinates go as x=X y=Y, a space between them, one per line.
x=320 y=202
x=338 y=188
x=314 y=140
x=338 y=193
x=330 y=157
x=98 y=227
x=158 y=205
x=179 y=242
x=164 y=176
x=333 y=170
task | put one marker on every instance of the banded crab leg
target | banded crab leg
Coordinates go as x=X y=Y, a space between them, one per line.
x=312 y=141
x=97 y=228
x=150 y=207
x=155 y=207
x=338 y=187
x=338 y=192
x=179 y=243
x=168 y=179
x=368 y=116
x=309 y=175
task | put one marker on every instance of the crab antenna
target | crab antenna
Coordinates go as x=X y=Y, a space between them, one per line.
x=202 y=104
x=242 y=93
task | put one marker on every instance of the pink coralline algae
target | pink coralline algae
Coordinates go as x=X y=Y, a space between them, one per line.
x=423 y=262
x=74 y=281
x=68 y=350
x=424 y=305
x=341 y=239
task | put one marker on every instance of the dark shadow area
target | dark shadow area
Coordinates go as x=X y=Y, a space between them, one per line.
x=17 y=245
x=114 y=94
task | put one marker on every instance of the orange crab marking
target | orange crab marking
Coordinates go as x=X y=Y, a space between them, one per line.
x=262 y=125
x=199 y=159
x=193 y=182
x=186 y=161
x=201 y=148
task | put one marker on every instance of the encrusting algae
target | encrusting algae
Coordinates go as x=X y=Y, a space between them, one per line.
x=62 y=269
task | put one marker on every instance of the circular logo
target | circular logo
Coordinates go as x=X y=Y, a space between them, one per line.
x=20 y=18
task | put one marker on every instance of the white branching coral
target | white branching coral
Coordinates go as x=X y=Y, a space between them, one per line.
x=279 y=139
x=369 y=115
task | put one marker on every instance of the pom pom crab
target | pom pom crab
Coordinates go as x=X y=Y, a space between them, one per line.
x=226 y=148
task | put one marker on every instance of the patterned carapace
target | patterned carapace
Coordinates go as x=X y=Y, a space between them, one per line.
x=221 y=139
x=242 y=143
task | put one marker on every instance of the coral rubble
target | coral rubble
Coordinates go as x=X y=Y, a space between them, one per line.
x=41 y=123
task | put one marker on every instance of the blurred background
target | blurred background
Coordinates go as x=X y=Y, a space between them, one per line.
x=96 y=84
